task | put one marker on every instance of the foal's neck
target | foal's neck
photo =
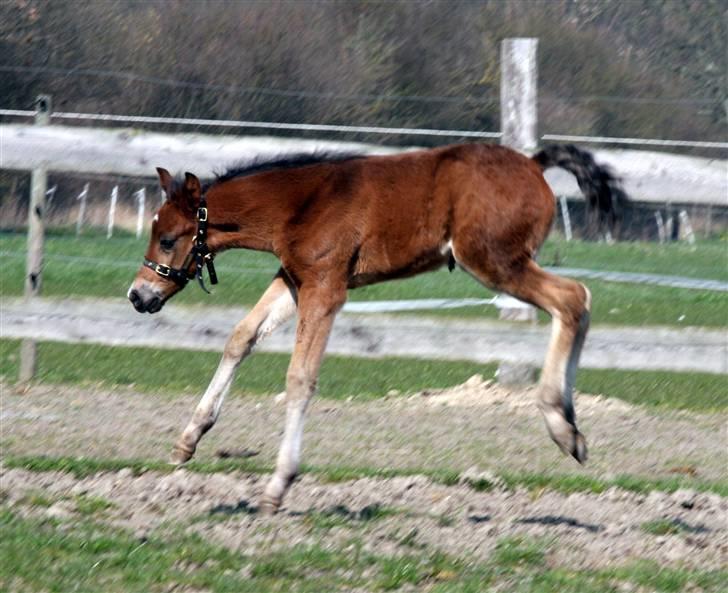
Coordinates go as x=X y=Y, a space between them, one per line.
x=250 y=212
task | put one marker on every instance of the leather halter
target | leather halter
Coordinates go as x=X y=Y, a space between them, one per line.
x=200 y=253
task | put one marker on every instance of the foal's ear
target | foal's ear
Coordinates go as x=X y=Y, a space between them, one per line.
x=165 y=181
x=193 y=188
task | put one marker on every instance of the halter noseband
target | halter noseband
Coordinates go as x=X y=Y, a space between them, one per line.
x=200 y=253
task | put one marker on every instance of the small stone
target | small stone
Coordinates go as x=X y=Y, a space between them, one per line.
x=657 y=500
x=685 y=498
x=58 y=511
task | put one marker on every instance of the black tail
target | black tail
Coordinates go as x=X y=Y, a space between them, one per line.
x=601 y=187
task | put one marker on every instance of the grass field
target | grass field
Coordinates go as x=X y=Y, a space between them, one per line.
x=94 y=266
x=76 y=540
x=340 y=376
x=44 y=555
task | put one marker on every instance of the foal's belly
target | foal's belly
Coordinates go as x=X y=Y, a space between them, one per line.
x=372 y=270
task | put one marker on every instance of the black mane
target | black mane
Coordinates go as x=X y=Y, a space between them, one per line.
x=287 y=161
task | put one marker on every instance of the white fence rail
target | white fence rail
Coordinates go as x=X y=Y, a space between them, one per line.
x=648 y=176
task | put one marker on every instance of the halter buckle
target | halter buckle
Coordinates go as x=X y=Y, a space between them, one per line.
x=162 y=270
x=202 y=214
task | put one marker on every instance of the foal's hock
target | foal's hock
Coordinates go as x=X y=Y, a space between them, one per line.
x=337 y=222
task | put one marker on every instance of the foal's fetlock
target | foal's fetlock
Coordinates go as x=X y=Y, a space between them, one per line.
x=273 y=494
x=181 y=453
x=269 y=506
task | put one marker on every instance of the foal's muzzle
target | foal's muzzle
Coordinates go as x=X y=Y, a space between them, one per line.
x=145 y=300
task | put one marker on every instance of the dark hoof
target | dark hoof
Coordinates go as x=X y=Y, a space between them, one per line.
x=578 y=450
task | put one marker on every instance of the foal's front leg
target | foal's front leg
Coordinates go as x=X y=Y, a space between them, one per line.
x=317 y=310
x=276 y=306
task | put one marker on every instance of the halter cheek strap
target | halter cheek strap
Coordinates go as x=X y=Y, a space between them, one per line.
x=200 y=254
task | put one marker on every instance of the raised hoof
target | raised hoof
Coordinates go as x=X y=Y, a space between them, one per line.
x=578 y=450
x=180 y=455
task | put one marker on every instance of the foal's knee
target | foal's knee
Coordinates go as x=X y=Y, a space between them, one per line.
x=239 y=343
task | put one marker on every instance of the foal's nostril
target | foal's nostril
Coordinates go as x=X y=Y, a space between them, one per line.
x=136 y=300
x=154 y=305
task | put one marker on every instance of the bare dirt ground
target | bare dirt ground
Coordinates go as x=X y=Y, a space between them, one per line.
x=477 y=427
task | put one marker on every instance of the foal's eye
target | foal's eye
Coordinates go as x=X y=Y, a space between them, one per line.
x=167 y=244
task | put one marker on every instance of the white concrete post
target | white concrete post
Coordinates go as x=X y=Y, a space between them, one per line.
x=82 y=197
x=686 y=229
x=36 y=239
x=112 y=211
x=140 y=198
x=660 y=227
x=566 y=217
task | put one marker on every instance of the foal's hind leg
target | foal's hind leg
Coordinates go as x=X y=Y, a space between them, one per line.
x=275 y=307
x=568 y=302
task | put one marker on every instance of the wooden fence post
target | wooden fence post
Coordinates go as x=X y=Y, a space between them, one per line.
x=519 y=75
x=518 y=125
x=518 y=117
x=36 y=236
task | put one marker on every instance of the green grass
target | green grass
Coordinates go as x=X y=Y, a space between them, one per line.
x=339 y=516
x=245 y=275
x=665 y=527
x=48 y=555
x=514 y=552
x=82 y=467
x=699 y=392
x=92 y=505
x=148 y=370
x=145 y=370
x=706 y=259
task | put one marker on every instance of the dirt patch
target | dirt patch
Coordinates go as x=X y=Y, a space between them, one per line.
x=476 y=425
x=584 y=530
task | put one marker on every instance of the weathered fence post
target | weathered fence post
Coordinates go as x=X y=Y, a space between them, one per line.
x=519 y=75
x=518 y=125
x=518 y=117
x=36 y=236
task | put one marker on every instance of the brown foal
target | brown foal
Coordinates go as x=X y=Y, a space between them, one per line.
x=340 y=222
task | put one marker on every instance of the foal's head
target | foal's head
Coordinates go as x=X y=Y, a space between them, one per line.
x=173 y=233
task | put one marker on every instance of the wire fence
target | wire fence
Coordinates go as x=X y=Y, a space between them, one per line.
x=383 y=130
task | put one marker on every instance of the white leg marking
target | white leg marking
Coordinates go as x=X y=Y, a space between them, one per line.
x=289 y=454
x=246 y=335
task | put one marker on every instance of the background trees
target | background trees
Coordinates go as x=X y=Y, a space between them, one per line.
x=637 y=68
